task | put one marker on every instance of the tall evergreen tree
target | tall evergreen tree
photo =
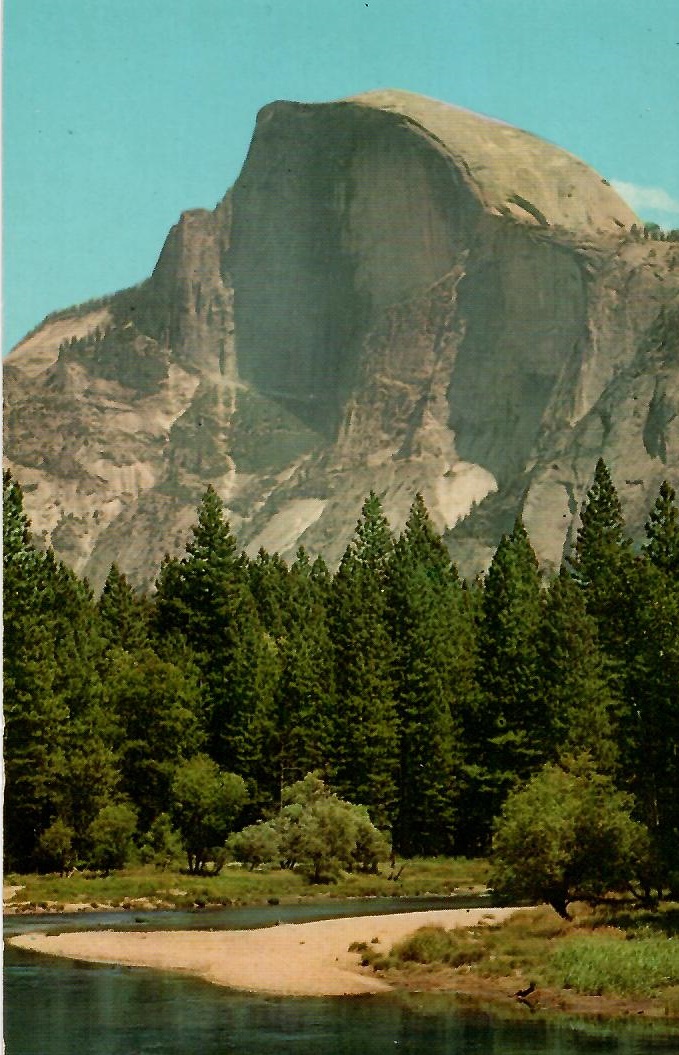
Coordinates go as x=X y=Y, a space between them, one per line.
x=202 y=594
x=366 y=737
x=249 y=739
x=91 y=775
x=573 y=682
x=512 y=739
x=268 y=577
x=662 y=532
x=155 y=706
x=54 y=727
x=123 y=614
x=205 y=596
x=649 y=729
x=306 y=691
x=601 y=564
x=35 y=756
x=424 y=612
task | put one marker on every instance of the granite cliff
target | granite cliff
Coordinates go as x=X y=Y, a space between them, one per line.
x=396 y=294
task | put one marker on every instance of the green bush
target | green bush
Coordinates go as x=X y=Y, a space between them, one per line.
x=110 y=836
x=205 y=803
x=255 y=845
x=436 y=945
x=55 y=847
x=316 y=832
x=162 y=845
x=567 y=835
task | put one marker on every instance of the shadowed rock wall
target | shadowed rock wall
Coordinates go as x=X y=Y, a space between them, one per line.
x=396 y=294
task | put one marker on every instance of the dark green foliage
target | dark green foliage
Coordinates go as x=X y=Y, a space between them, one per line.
x=662 y=532
x=306 y=687
x=91 y=775
x=205 y=805
x=155 y=706
x=649 y=728
x=365 y=756
x=202 y=595
x=110 y=836
x=635 y=603
x=573 y=682
x=123 y=614
x=421 y=697
x=425 y=610
x=601 y=565
x=206 y=598
x=243 y=722
x=52 y=693
x=69 y=605
x=35 y=738
x=514 y=727
x=268 y=577
x=567 y=835
x=601 y=544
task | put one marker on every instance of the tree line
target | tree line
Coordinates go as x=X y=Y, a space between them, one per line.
x=424 y=698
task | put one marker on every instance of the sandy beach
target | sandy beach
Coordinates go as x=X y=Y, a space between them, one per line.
x=294 y=959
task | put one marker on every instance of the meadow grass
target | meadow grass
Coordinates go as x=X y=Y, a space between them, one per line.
x=240 y=886
x=603 y=965
x=587 y=956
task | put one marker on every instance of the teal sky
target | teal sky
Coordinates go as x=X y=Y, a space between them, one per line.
x=119 y=114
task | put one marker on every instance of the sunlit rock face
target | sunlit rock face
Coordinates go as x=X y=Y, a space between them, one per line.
x=395 y=295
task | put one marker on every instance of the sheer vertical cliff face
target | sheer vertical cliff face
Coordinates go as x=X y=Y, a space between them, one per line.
x=339 y=214
x=396 y=294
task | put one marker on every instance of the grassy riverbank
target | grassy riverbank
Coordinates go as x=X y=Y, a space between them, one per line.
x=613 y=961
x=148 y=888
x=610 y=961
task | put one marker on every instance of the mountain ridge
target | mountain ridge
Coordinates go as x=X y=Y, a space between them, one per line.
x=369 y=307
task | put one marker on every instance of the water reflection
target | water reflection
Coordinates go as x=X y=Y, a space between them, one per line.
x=56 y=1007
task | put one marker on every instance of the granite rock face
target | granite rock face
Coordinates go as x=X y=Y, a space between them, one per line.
x=396 y=294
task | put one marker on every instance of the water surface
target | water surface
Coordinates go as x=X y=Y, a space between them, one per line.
x=60 y=1007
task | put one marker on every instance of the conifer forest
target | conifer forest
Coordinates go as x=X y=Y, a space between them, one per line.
x=419 y=695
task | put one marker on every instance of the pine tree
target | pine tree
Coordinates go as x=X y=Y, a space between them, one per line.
x=123 y=614
x=662 y=532
x=155 y=707
x=268 y=577
x=201 y=594
x=248 y=737
x=306 y=690
x=649 y=729
x=512 y=740
x=601 y=540
x=421 y=545
x=35 y=713
x=573 y=681
x=34 y=740
x=91 y=776
x=365 y=759
x=601 y=564
x=205 y=596
x=78 y=640
x=424 y=609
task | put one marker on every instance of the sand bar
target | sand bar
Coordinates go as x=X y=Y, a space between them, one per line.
x=291 y=959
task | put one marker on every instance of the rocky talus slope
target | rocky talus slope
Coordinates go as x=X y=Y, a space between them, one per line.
x=396 y=294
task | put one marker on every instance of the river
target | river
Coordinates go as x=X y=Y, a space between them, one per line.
x=60 y=1007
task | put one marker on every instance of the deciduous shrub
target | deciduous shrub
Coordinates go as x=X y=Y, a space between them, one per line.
x=567 y=835
x=110 y=836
